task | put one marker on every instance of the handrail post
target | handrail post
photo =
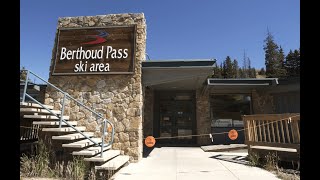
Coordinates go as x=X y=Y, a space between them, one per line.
x=25 y=87
x=62 y=109
x=103 y=134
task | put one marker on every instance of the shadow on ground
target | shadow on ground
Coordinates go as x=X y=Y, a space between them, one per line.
x=231 y=158
x=146 y=151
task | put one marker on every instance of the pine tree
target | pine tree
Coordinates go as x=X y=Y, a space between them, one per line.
x=248 y=71
x=224 y=69
x=296 y=55
x=282 y=71
x=235 y=69
x=241 y=74
x=262 y=71
x=290 y=64
x=252 y=73
x=216 y=72
x=245 y=66
x=281 y=57
x=228 y=68
x=273 y=65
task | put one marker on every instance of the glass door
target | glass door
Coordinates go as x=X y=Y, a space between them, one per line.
x=176 y=119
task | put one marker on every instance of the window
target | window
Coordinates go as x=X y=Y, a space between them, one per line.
x=226 y=109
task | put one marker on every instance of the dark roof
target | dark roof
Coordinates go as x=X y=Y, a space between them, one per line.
x=178 y=63
x=243 y=82
x=176 y=74
x=289 y=80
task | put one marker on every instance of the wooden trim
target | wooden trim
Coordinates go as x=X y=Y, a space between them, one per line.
x=264 y=131
x=260 y=130
x=283 y=145
x=282 y=132
x=273 y=134
x=298 y=131
x=255 y=130
x=248 y=130
x=287 y=130
x=268 y=128
x=278 y=134
x=293 y=132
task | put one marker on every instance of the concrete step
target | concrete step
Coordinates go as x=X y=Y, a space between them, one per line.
x=106 y=156
x=91 y=151
x=82 y=143
x=64 y=129
x=34 y=105
x=37 y=110
x=73 y=136
x=114 y=163
x=44 y=117
x=54 y=123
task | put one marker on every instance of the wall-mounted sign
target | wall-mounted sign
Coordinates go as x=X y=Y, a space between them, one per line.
x=95 y=50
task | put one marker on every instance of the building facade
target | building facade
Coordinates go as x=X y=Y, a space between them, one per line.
x=144 y=97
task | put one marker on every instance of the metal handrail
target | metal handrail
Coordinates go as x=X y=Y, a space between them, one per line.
x=105 y=121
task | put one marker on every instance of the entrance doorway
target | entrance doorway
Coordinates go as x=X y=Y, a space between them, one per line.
x=175 y=116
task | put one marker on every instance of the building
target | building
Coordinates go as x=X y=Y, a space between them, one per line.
x=150 y=98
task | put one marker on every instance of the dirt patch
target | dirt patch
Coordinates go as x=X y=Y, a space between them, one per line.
x=288 y=174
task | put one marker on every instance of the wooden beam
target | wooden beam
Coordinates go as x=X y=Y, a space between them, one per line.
x=278 y=135
x=269 y=131
x=264 y=131
x=273 y=134
x=255 y=130
x=282 y=145
x=282 y=132
x=260 y=134
x=287 y=131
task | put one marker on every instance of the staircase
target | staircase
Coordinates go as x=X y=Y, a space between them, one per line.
x=84 y=143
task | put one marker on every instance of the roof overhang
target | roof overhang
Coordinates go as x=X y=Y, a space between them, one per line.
x=240 y=85
x=176 y=74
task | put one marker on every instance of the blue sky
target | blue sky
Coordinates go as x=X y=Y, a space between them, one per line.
x=181 y=29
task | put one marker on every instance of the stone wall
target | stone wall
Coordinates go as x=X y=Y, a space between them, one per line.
x=262 y=102
x=203 y=117
x=148 y=112
x=118 y=97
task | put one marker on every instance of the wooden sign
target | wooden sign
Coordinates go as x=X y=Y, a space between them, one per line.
x=150 y=141
x=95 y=50
x=233 y=134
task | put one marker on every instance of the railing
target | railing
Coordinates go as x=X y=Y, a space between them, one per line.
x=104 y=122
x=274 y=130
x=29 y=133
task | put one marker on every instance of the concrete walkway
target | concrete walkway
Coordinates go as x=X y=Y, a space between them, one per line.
x=189 y=163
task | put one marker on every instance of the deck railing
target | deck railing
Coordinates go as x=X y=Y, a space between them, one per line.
x=273 y=130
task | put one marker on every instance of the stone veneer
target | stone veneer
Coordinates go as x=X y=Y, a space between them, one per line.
x=262 y=102
x=148 y=112
x=203 y=116
x=118 y=97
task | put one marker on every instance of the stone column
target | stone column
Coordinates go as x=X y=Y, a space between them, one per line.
x=262 y=102
x=203 y=117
